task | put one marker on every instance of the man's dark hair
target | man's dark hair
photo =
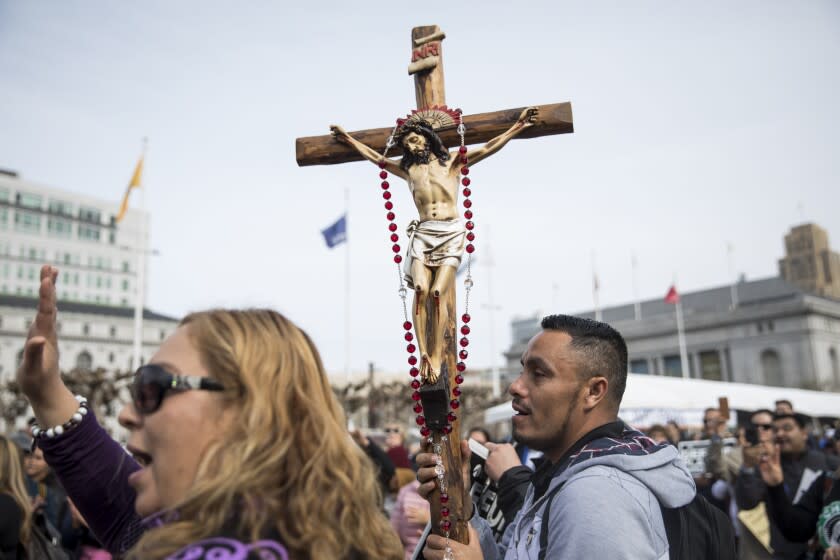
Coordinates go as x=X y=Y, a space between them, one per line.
x=482 y=431
x=710 y=409
x=600 y=348
x=784 y=401
x=800 y=419
x=434 y=144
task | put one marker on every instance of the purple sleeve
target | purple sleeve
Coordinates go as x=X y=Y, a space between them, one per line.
x=94 y=470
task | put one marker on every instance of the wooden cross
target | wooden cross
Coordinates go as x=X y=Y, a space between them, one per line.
x=427 y=68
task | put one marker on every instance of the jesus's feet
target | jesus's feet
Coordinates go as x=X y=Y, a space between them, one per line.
x=427 y=372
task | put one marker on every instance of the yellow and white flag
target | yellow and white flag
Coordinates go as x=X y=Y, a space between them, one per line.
x=135 y=183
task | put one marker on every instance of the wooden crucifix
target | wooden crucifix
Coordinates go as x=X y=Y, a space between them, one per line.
x=437 y=239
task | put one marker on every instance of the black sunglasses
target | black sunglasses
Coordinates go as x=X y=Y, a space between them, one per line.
x=152 y=382
x=765 y=426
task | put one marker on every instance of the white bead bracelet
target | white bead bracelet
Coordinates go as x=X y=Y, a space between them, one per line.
x=56 y=431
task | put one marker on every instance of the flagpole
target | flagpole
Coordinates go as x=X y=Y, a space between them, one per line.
x=140 y=287
x=637 y=305
x=346 y=288
x=595 y=289
x=681 y=339
x=733 y=288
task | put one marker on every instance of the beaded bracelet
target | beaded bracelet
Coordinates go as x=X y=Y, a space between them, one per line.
x=55 y=431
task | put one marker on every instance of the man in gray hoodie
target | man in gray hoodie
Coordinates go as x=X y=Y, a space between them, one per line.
x=602 y=483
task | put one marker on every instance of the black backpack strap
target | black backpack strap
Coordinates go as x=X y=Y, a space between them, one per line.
x=544 y=527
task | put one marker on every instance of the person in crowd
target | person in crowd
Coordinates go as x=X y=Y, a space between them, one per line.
x=714 y=430
x=600 y=476
x=783 y=406
x=480 y=435
x=385 y=470
x=237 y=445
x=46 y=492
x=658 y=433
x=395 y=446
x=15 y=508
x=409 y=517
x=799 y=465
x=675 y=433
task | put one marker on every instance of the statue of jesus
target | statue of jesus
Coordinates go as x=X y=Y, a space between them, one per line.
x=436 y=240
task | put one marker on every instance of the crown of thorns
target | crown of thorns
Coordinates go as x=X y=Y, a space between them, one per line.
x=436 y=116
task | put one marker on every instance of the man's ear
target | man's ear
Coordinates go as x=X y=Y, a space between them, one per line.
x=595 y=391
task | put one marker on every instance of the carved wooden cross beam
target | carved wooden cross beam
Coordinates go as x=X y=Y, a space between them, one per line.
x=427 y=68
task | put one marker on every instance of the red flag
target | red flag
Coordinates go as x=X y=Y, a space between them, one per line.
x=672 y=296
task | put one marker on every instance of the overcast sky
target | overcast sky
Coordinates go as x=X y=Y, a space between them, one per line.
x=696 y=124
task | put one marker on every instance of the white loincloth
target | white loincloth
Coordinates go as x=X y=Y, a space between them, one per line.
x=434 y=243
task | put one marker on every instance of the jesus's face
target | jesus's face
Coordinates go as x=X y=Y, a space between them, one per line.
x=415 y=143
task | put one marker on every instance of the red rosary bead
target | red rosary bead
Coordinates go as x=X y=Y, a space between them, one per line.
x=409 y=337
x=445 y=525
x=425 y=431
x=395 y=248
x=470 y=236
x=381 y=163
x=467 y=202
x=465 y=170
x=395 y=237
x=444 y=498
x=414 y=372
x=418 y=408
x=412 y=360
x=415 y=396
x=444 y=512
x=466 y=318
x=462 y=150
x=392 y=227
x=385 y=184
x=465 y=329
x=463 y=354
x=468 y=214
x=465 y=181
x=447 y=430
x=415 y=384
x=383 y=174
x=454 y=404
x=470 y=248
x=407 y=325
x=469 y=225
x=389 y=205
x=390 y=216
x=397 y=259
x=464 y=160
x=451 y=417
x=456 y=391
x=461 y=366
x=410 y=348
x=386 y=195
x=458 y=379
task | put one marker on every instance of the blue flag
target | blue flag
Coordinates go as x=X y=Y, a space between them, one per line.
x=336 y=234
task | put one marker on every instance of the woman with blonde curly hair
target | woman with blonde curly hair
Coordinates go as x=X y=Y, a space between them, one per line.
x=15 y=511
x=238 y=446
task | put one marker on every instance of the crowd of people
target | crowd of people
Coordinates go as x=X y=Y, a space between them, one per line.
x=238 y=449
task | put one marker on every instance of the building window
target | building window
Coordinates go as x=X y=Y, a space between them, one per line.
x=835 y=366
x=125 y=285
x=28 y=200
x=89 y=233
x=162 y=334
x=771 y=365
x=710 y=365
x=84 y=361
x=113 y=331
x=86 y=329
x=19 y=358
x=91 y=215
x=111 y=358
x=61 y=207
x=639 y=366
x=57 y=227
x=27 y=222
x=126 y=266
x=672 y=365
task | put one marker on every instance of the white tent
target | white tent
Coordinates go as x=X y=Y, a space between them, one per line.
x=653 y=398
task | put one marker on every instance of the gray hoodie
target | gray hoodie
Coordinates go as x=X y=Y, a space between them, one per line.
x=608 y=506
